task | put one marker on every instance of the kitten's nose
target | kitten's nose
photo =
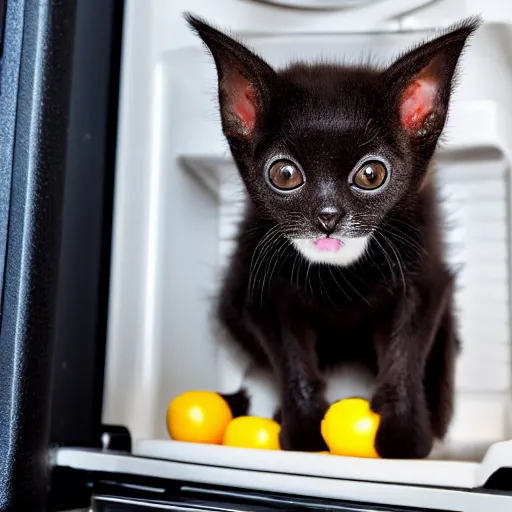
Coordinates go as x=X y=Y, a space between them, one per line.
x=328 y=218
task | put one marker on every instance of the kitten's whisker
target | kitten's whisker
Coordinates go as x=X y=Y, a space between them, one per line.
x=326 y=292
x=260 y=246
x=270 y=259
x=389 y=225
x=259 y=251
x=306 y=281
x=355 y=289
x=408 y=242
x=274 y=256
x=359 y=278
x=295 y=260
x=284 y=245
x=338 y=284
x=263 y=255
x=372 y=138
x=398 y=260
x=371 y=253
x=409 y=225
x=386 y=255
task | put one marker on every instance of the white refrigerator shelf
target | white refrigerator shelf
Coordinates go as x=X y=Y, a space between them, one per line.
x=436 y=485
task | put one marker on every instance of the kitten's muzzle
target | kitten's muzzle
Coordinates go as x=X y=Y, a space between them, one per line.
x=328 y=218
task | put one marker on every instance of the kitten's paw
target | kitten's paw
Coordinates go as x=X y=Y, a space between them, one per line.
x=302 y=433
x=298 y=439
x=404 y=432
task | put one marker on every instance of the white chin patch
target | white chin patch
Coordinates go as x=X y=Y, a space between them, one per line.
x=349 y=251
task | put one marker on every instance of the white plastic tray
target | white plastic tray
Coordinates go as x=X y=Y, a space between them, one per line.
x=432 y=473
x=446 y=486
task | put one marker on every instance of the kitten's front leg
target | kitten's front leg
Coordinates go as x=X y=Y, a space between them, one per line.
x=291 y=350
x=405 y=430
x=403 y=347
x=303 y=403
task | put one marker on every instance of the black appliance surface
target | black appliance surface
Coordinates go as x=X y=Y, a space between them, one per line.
x=59 y=84
x=34 y=104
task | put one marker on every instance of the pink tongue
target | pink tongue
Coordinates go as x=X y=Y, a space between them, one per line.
x=328 y=244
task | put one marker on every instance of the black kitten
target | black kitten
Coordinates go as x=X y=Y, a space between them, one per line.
x=339 y=257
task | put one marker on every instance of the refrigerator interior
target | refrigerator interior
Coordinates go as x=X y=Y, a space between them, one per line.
x=177 y=204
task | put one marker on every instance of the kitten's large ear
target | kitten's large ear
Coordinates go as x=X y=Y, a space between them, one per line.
x=245 y=80
x=421 y=82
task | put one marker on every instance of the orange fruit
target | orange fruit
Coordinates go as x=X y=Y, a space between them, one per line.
x=198 y=417
x=349 y=428
x=253 y=432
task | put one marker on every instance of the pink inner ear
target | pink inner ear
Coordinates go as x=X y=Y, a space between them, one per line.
x=242 y=101
x=417 y=103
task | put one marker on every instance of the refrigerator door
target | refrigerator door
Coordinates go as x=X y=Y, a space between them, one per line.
x=34 y=104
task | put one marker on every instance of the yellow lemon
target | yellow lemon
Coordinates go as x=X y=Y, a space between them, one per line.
x=253 y=432
x=349 y=428
x=198 y=417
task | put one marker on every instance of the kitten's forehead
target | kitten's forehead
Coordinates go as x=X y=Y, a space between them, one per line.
x=326 y=97
x=329 y=76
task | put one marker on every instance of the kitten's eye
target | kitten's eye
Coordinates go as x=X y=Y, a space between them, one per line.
x=284 y=175
x=370 y=176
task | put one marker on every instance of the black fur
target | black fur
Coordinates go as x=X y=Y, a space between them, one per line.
x=392 y=308
x=238 y=402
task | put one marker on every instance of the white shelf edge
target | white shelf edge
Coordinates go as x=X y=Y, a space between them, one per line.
x=348 y=490
x=433 y=473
